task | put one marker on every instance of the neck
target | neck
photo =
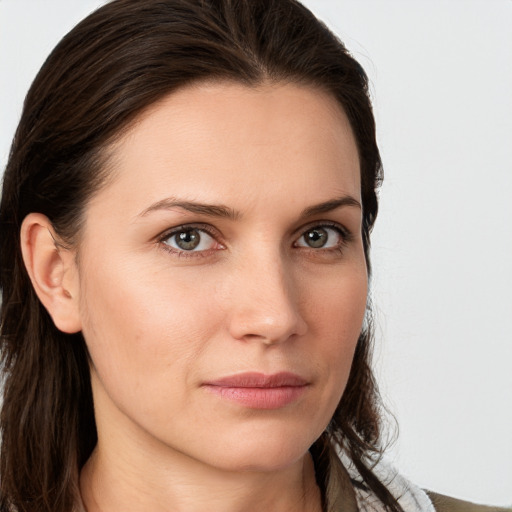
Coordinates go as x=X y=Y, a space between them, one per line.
x=109 y=484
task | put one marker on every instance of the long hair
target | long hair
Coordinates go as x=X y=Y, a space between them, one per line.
x=103 y=74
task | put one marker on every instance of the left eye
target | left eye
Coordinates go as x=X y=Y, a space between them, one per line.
x=320 y=237
x=189 y=240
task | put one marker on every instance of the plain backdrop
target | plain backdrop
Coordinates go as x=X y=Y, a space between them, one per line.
x=441 y=75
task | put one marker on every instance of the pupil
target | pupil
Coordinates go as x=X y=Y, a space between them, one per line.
x=316 y=237
x=188 y=240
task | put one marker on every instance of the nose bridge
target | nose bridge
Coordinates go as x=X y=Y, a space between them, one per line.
x=265 y=299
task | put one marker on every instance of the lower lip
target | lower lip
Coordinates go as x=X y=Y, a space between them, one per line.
x=259 y=398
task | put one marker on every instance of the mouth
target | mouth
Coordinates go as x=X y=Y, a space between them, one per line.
x=259 y=391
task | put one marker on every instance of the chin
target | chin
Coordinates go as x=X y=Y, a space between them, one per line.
x=261 y=453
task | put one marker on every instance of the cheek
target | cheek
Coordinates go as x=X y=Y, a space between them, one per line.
x=336 y=314
x=339 y=305
x=140 y=326
x=348 y=308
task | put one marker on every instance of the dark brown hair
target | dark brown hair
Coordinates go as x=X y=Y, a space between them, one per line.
x=105 y=72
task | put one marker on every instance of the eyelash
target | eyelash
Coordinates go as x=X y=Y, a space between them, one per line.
x=345 y=238
x=183 y=228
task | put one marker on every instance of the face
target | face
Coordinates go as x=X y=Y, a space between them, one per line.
x=222 y=275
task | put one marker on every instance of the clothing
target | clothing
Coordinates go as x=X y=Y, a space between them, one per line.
x=447 y=504
x=409 y=496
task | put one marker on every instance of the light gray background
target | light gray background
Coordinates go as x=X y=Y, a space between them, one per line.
x=441 y=74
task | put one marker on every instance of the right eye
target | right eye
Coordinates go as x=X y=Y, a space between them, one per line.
x=189 y=240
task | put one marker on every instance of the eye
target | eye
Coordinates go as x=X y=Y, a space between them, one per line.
x=322 y=237
x=189 y=239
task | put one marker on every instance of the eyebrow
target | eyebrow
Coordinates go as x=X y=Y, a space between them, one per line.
x=330 y=205
x=219 y=210
x=211 y=210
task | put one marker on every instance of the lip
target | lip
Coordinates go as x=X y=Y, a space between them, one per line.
x=259 y=391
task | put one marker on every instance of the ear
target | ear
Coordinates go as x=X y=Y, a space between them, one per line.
x=53 y=272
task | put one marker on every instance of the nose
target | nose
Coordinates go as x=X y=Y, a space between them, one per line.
x=265 y=301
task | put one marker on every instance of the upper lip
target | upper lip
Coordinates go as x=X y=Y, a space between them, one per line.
x=259 y=380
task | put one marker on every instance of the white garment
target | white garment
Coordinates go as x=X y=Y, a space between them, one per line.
x=410 y=496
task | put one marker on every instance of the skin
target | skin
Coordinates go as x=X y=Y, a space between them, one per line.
x=160 y=321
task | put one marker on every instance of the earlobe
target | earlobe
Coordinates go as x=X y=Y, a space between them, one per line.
x=52 y=270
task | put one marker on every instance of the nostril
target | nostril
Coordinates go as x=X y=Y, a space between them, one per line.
x=264 y=301
x=267 y=329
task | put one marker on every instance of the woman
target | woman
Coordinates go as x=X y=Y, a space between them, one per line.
x=185 y=256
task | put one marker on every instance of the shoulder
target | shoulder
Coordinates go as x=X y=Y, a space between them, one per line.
x=411 y=497
x=447 y=504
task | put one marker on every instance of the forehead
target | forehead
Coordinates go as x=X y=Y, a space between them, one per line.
x=212 y=140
